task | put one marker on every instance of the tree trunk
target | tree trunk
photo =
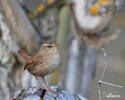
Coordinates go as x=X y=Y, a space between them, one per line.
x=80 y=62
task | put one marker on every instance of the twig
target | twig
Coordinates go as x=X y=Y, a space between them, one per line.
x=110 y=84
x=103 y=73
x=106 y=63
x=99 y=92
x=100 y=82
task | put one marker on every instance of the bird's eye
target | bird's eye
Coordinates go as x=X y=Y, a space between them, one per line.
x=49 y=46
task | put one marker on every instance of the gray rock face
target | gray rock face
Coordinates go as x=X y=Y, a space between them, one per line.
x=40 y=94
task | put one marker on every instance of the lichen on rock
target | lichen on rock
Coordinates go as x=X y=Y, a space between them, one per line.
x=40 y=94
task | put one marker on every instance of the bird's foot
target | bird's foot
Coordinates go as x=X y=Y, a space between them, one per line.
x=52 y=90
x=47 y=88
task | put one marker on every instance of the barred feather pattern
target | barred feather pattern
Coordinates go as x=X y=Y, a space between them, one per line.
x=44 y=64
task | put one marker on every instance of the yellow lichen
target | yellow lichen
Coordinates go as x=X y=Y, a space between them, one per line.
x=95 y=9
x=105 y=2
x=50 y=2
x=31 y=16
x=40 y=8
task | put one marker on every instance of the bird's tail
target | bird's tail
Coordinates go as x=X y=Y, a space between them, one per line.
x=25 y=55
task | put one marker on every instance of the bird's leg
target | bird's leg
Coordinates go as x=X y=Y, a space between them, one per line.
x=43 y=86
x=45 y=81
x=47 y=84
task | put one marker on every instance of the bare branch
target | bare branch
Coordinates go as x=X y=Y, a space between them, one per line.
x=99 y=92
x=100 y=82
x=20 y=24
x=110 y=84
x=89 y=23
x=106 y=63
x=88 y=26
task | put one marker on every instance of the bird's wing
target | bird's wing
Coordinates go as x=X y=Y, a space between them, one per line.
x=34 y=61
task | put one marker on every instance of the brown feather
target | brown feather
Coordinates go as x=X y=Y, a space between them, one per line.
x=34 y=61
x=24 y=55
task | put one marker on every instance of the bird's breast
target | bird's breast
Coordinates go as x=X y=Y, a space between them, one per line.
x=54 y=62
x=49 y=64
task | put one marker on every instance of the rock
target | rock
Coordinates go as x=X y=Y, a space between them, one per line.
x=40 y=94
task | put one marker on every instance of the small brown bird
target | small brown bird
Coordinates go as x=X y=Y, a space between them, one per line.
x=44 y=62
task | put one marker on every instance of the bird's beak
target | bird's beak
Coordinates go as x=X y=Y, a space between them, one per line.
x=54 y=46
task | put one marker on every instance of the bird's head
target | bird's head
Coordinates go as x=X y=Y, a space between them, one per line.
x=48 y=46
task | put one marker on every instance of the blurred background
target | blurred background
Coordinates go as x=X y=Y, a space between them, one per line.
x=81 y=28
